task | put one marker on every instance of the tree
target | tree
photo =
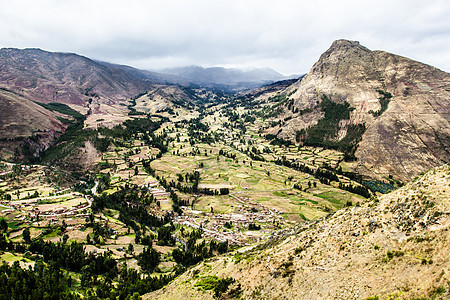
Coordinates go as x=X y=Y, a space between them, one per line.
x=165 y=236
x=135 y=296
x=130 y=248
x=224 y=191
x=17 y=169
x=65 y=238
x=148 y=259
x=3 y=225
x=63 y=226
x=26 y=235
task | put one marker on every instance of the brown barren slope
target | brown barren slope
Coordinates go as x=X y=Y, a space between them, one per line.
x=20 y=117
x=395 y=247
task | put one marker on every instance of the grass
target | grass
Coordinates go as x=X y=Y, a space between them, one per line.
x=62 y=108
x=14 y=225
x=10 y=257
x=51 y=235
x=207 y=283
x=311 y=201
x=220 y=204
x=337 y=198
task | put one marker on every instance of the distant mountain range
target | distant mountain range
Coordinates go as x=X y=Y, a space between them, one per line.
x=227 y=78
x=91 y=87
x=217 y=78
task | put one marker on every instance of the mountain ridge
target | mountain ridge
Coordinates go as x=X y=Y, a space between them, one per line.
x=63 y=77
x=405 y=138
x=235 y=78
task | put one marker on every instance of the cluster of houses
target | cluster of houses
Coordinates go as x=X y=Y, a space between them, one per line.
x=263 y=215
x=211 y=230
x=31 y=208
x=215 y=225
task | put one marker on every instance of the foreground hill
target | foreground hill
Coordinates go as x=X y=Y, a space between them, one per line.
x=395 y=246
x=402 y=103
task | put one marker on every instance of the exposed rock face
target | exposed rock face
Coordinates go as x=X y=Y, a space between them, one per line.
x=413 y=134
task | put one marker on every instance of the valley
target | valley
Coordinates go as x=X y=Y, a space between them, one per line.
x=198 y=175
x=183 y=191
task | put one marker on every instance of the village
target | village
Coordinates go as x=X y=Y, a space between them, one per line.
x=49 y=209
x=235 y=228
x=217 y=226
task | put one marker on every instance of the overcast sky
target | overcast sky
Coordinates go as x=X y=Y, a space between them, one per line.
x=285 y=35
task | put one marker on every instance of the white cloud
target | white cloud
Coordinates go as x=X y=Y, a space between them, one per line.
x=286 y=35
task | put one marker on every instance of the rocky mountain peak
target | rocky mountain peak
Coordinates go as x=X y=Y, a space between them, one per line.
x=405 y=131
x=347 y=44
x=341 y=56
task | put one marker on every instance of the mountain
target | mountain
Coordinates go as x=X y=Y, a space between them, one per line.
x=392 y=247
x=42 y=92
x=21 y=118
x=226 y=78
x=33 y=79
x=394 y=112
x=146 y=75
x=403 y=104
x=38 y=119
x=65 y=77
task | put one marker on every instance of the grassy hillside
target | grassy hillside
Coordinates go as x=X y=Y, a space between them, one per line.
x=395 y=246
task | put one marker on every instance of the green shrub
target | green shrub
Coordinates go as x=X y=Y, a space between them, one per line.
x=218 y=285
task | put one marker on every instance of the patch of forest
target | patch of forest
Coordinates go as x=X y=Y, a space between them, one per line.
x=325 y=132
